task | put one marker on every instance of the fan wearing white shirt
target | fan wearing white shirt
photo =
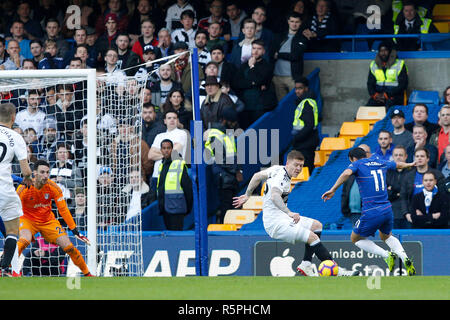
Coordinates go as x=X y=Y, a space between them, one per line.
x=31 y=117
x=186 y=33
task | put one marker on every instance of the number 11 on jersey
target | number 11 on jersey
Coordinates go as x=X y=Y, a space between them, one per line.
x=378 y=181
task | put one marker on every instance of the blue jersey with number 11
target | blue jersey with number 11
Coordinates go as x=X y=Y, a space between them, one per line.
x=370 y=175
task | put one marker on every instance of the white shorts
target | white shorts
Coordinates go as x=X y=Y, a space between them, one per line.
x=286 y=230
x=10 y=207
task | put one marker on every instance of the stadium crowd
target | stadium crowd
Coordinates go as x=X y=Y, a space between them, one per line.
x=250 y=57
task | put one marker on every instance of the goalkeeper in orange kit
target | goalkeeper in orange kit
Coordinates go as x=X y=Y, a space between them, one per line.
x=38 y=215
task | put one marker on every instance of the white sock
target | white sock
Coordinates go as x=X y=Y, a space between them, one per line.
x=370 y=246
x=15 y=261
x=396 y=247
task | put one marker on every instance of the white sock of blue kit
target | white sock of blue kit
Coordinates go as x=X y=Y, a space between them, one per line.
x=370 y=246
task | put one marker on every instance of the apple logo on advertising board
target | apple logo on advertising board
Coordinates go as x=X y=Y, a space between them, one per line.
x=282 y=266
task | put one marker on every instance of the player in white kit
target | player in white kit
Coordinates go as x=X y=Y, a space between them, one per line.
x=11 y=145
x=280 y=222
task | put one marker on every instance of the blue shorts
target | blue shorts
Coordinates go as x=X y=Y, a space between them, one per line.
x=369 y=223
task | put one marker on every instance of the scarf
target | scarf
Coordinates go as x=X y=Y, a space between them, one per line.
x=429 y=197
x=179 y=66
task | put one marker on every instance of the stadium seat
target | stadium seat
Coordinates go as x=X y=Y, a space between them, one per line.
x=239 y=217
x=420 y=96
x=441 y=12
x=319 y=158
x=353 y=130
x=330 y=144
x=443 y=27
x=302 y=176
x=370 y=115
x=253 y=203
x=222 y=227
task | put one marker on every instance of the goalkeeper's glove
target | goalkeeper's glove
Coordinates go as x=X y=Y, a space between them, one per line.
x=80 y=237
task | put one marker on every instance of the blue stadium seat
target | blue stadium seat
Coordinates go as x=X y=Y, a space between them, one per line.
x=418 y=96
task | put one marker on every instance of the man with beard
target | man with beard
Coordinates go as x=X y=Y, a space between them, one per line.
x=388 y=78
x=201 y=39
x=45 y=147
x=150 y=125
x=385 y=146
x=161 y=89
x=306 y=120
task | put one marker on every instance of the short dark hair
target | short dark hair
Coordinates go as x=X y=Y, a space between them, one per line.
x=40 y=162
x=357 y=153
x=75 y=59
x=399 y=146
x=39 y=42
x=217 y=47
x=166 y=141
x=189 y=13
x=2 y=40
x=258 y=42
x=247 y=20
x=429 y=172
x=385 y=131
x=422 y=149
x=421 y=105
x=30 y=60
x=201 y=31
x=170 y=111
x=52 y=20
x=295 y=155
x=148 y=105
x=65 y=87
x=303 y=80
x=294 y=14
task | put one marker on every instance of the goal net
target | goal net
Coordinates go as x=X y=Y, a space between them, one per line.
x=88 y=128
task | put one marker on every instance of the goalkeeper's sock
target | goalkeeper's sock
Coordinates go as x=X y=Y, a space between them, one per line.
x=371 y=247
x=309 y=251
x=8 y=250
x=396 y=247
x=22 y=244
x=320 y=251
x=77 y=258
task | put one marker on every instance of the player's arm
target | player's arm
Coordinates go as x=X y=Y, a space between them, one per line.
x=26 y=172
x=342 y=178
x=404 y=165
x=252 y=185
x=277 y=199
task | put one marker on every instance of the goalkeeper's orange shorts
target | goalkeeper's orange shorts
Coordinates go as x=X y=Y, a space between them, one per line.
x=50 y=230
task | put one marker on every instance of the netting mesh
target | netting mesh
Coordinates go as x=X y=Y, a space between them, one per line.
x=52 y=116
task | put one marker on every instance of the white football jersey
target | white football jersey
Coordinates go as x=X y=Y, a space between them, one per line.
x=278 y=178
x=11 y=144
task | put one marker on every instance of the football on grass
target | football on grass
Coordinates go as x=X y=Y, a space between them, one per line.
x=328 y=268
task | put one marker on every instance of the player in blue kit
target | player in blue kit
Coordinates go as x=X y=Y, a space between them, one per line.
x=376 y=212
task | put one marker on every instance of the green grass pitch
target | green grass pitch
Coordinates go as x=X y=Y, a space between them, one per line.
x=228 y=288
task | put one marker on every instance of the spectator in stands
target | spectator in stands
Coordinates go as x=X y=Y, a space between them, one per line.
x=165 y=42
x=174 y=14
x=75 y=63
x=235 y=17
x=175 y=101
x=43 y=259
x=216 y=9
x=173 y=133
x=3 y=53
x=28 y=64
x=441 y=137
x=31 y=117
x=108 y=38
x=201 y=39
x=242 y=50
x=253 y=85
x=446 y=95
x=220 y=147
x=147 y=72
x=82 y=52
x=29 y=135
x=186 y=33
x=145 y=10
x=388 y=78
x=400 y=136
x=226 y=89
x=214 y=31
x=420 y=141
x=15 y=59
x=227 y=70
x=413 y=181
x=289 y=48
x=51 y=60
x=420 y=116
x=262 y=33
x=351 y=200
x=80 y=38
x=136 y=195
x=37 y=50
x=32 y=27
x=385 y=146
x=182 y=68
x=306 y=120
x=107 y=198
x=64 y=172
x=115 y=9
x=18 y=33
x=211 y=70
x=175 y=195
x=151 y=126
x=115 y=75
x=322 y=23
x=79 y=212
x=160 y=89
x=444 y=166
x=52 y=32
x=430 y=208
x=145 y=39
x=45 y=147
x=79 y=150
x=124 y=149
x=394 y=182
x=215 y=102
x=128 y=60
x=409 y=22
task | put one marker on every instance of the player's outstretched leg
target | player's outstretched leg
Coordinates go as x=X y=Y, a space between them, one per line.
x=74 y=254
x=12 y=228
x=306 y=267
x=398 y=250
